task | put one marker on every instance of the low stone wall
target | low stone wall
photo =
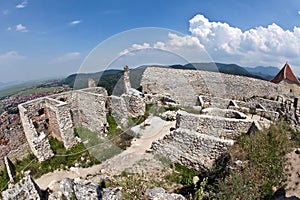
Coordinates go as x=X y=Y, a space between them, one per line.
x=226 y=113
x=269 y=105
x=192 y=149
x=215 y=102
x=221 y=127
x=96 y=90
x=186 y=85
x=200 y=140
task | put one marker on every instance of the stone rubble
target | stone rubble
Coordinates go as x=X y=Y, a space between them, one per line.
x=24 y=189
x=161 y=194
x=91 y=191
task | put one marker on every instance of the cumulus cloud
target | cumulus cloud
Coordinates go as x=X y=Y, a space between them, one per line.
x=260 y=45
x=21 y=28
x=11 y=56
x=75 y=22
x=22 y=5
x=134 y=47
x=270 y=45
x=69 y=56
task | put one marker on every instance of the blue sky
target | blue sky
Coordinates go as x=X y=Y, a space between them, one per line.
x=48 y=38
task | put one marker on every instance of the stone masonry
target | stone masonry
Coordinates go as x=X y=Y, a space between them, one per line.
x=24 y=189
x=186 y=85
x=58 y=114
x=200 y=140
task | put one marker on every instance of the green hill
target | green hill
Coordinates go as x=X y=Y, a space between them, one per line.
x=112 y=80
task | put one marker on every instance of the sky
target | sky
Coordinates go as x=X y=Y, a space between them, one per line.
x=55 y=38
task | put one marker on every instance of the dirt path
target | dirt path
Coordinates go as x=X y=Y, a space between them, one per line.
x=133 y=158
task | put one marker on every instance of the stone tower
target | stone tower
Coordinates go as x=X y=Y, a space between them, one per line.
x=127 y=84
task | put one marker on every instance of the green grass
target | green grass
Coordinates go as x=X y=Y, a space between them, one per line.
x=264 y=157
x=102 y=148
x=182 y=175
x=3 y=180
x=61 y=159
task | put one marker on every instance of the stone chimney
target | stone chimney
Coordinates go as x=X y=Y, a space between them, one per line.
x=127 y=84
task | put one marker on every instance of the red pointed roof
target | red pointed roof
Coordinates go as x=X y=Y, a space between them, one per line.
x=285 y=73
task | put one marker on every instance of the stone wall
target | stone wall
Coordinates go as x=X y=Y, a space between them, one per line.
x=24 y=189
x=200 y=140
x=192 y=149
x=186 y=85
x=118 y=110
x=135 y=105
x=96 y=90
x=58 y=114
x=225 y=128
x=92 y=111
x=62 y=120
x=38 y=141
x=17 y=146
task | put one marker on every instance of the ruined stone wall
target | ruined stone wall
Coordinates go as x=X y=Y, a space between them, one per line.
x=216 y=102
x=53 y=124
x=17 y=146
x=24 y=189
x=200 y=140
x=71 y=98
x=92 y=111
x=62 y=118
x=135 y=105
x=96 y=90
x=38 y=141
x=225 y=128
x=192 y=149
x=266 y=103
x=118 y=110
x=186 y=85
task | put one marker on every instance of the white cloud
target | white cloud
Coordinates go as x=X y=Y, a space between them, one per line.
x=11 y=56
x=186 y=47
x=22 y=5
x=299 y=12
x=69 y=56
x=134 y=47
x=21 y=28
x=75 y=22
x=8 y=28
x=269 y=45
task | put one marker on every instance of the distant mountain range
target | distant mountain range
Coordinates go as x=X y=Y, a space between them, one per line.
x=267 y=72
x=112 y=79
